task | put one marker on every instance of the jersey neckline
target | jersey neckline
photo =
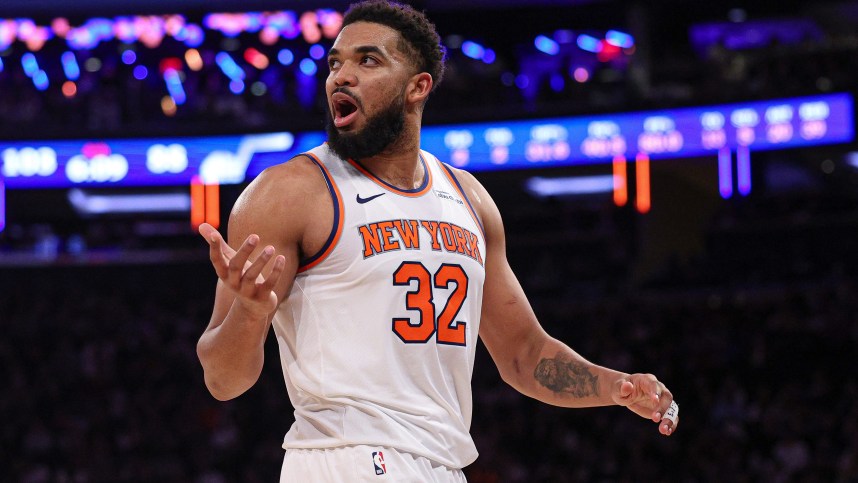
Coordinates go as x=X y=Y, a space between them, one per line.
x=419 y=191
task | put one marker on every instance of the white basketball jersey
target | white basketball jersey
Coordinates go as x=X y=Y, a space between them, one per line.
x=378 y=335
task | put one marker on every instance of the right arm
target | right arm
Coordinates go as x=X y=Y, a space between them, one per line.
x=255 y=273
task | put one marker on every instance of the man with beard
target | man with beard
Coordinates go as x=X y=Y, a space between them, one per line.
x=378 y=267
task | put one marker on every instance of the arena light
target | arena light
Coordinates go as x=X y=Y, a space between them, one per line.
x=29 y=64
x=308 y=67
x=193 y=59
x=725 y=173
x=236 y=86
x=229 y=67
x=88 y=204
x=2 y=204
x=643 y=200
x=317 y=51
x=621 y=180
x=70 y=65
x=589 y=43
x=174 y=86
x=743 y=170
x=546 y=45
x=473 y=50
x=129 y=57
x=572 y=185
x=41 y=81
x=619 y=39
x=256 y=58
x=140 y=72
x=285 y=57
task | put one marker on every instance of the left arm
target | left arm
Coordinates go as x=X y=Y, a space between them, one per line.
x=535 y=363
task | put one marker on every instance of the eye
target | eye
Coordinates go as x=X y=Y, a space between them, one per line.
x=333 y=64
x=369 y=60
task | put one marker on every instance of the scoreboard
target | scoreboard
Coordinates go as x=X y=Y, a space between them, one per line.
x=675 y=133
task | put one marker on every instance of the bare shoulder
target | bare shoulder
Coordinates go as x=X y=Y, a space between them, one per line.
x=279 y=203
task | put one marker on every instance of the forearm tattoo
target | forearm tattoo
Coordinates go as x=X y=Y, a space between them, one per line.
x=563 y=375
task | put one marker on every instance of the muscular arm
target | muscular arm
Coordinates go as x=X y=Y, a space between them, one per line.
x=267 y=223
x=528 y=358
x=533 y=362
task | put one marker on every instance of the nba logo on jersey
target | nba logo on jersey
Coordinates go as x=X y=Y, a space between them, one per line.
x=378 y=461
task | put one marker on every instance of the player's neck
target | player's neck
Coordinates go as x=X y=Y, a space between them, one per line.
x=399 y=164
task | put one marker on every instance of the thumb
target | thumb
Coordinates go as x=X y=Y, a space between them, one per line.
x=625 y=392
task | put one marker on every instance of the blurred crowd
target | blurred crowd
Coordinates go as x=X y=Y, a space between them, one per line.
x=110 y=98
x=103 y=383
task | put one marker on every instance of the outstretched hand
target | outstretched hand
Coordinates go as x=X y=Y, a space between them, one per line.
x=243 y=277
x=645 y=396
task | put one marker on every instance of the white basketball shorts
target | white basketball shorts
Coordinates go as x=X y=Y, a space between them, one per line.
x=370 y=464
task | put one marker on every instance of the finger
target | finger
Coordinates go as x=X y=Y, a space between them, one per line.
x=253 y=271
x=273 y=277
x=670 y=421
x=663 y=403
x=237 y=263
x=216 y=254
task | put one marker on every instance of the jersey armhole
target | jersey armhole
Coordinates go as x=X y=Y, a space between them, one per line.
x=337 y=226
x=455 y=182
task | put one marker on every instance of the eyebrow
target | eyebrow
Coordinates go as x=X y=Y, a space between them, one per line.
x=363 y=49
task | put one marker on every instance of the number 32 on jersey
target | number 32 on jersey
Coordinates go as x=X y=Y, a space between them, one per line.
x=444 y=327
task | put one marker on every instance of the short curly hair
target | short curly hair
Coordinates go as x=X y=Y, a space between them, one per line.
x=420 y=40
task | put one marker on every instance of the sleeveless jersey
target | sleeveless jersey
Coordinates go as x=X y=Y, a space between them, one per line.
x=378 y=334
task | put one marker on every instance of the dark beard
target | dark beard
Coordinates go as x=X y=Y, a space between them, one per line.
x=381 y=131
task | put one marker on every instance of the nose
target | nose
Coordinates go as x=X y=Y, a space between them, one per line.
x=345 y=75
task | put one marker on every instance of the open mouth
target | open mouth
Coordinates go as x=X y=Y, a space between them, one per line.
x=345 y=109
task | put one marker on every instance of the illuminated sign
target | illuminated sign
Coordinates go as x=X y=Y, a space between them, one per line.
x=689 y=132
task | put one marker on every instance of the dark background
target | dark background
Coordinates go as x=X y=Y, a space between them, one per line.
x=747 y=308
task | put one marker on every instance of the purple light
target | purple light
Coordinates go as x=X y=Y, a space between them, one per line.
x=140 y=72
x=522 y=81
x=489 y=56
x=194 y=35
x=317 y=51
x=123 y=29
x=236 y=86
x=557 y=83
x=743 y=169
x=129 y=57
x=564 y=36
x=546 y=45
x=2 y=204
x=725 y=173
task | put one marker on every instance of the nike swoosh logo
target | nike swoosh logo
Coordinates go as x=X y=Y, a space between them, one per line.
x=367 y=199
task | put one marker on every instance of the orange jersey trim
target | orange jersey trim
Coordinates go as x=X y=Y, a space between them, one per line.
x=455 y=182
x=420 y=191
x=339 y=216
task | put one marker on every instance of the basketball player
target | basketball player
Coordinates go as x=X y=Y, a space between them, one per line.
x=378 y=267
